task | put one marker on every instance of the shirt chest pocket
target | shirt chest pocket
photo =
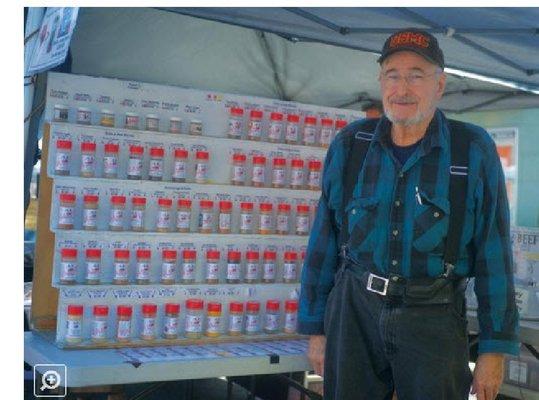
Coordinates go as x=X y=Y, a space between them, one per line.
x=431 y=221
x=361 y=213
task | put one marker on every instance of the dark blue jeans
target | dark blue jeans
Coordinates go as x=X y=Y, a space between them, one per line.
x=374 y=348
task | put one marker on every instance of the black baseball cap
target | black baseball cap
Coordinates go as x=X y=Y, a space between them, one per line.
x=416 y=40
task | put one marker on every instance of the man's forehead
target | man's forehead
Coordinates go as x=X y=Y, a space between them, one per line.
x=406 y=60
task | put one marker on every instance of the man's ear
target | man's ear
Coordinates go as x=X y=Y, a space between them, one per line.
x=441 y=85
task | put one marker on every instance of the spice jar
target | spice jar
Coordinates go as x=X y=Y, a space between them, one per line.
x=175 y=125
x=275 y=130
x=296 y=174
x=212 y=266
x=93 y=266
x=292 y=129
x=313 y=180
x=225 y=216
x=259 y=171
x=278 y=176
x=172 y=321
x=238 y=169
x=213 y=328
x=255 y=125
x=110 y=161
x=121 y=267
x=61 y=113
x=117 y=207
x=131 y=120
x=183 y=218
x=326 y=132
x=163 y=215
x=152 y=122
x=155 y=172
x=302 y=219
x=268 y=275
x=68 y=266
x=123 y=330
x=205 y=218
x=134 y=165
x=271 y=324
x=188 y=266
x=149 y=312
x=84 y=116
x=63 y=157
x=193 y=318
x=87 y=159
x=179 y=172
x=107 y=118
x=74 y=324
x=66 y=211
x=168 y=269
x=265 y=226
x=246 y=217
x=309 y=131
x=339 y=124
x=290 y=316
x=89 y=212
x=142 y=271
x=252 y=267
x=235 y=318
x=137 y=213
x=283 y=215
x=233 y=267
x=235 y=123
x=290 y=273
x=252 y=318
x=195 y=127
x=100 y=323
x=201 y=166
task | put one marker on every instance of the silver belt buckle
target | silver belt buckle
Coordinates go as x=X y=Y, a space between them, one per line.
x=372 y=278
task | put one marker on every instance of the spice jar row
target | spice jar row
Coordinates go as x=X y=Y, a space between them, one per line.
x=222 y=217
x=279 y=129
x=164 y=322
x=143 y=267
x=127 y=120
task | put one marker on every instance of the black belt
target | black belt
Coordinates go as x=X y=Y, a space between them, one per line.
x=417 y=291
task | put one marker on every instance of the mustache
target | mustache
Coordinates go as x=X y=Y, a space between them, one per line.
x=403 y=99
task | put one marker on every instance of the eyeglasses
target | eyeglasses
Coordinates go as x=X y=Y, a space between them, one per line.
x=415 y=79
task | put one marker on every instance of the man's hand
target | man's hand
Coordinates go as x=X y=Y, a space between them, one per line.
x=488 y=376
x=317 y=348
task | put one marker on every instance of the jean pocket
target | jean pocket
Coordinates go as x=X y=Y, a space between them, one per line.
x=431 y=221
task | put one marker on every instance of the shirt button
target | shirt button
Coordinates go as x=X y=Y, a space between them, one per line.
x=394 y=262
x=436 y=214
x=397 y=203
x=395 y=232
x=353 y=211
x=401 y=175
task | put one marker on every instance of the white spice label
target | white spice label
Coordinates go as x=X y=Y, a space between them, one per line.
x=265 y=222
x=233 y=271
x=188 y=270
x=180 y=170
x=168 y=271
x=275 y=131
x=290 y=322
x=120 y=271
x=282 y=223
x=163 y=219
x=74 y=329
x=255 y=129
x=201 y=172
x=89 y=218
x=110 y=165
x=171 y=325
x=148 y=326
x=224 y=221
x=235 y=323
x=206 y=220
x=134 y=167
x=214 y=324
x=93 y=270
x=137 y=219
x=84 y=117
x=278 y=177
x=252 y=323
x=116 y=217
x=183 y=220
x=65 y=215
x=156 y=168
x=251 y=271
x=325 y=135
x=143 y=270
x=309 y=134
x=60 y=114
x=124 y=329
x=193 y=323
x=131 y=121
x=87 y=164
x=238 y=173
x=302 y=224
x=289 y=272
x=269 y=271
x=62 y=161
x=68 y=271
x=152 y=124
x=99 y=329
x=272 y=322
x=212 y=271
x=296 y=177
x=314 y=179
x=234 y=127
x=246 y=222
x=292 y=132
x=259 y=173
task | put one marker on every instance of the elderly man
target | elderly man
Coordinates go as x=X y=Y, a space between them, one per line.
x=412 y=204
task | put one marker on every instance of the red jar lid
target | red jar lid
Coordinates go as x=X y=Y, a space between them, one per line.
x=291 y=305
x=273 y=305
x=149 y=308
x=297 y=162
x=170 y=253
x=290 y=256
x=143 y=253
x=292 y=118
x=112 y=148
x=259 y=160
x=194 y=304
x=266 y=206
x=315 y=164
x=67 y=197
x=252 y=255
x=189 y=254
x=93 y=253
x=225 y=205
x=172 y=308
x=246 y=206
x=117 y=199
x=214 y=307
x=253 y=306
x=303 y=208
x=181 y=153
x=90 y=198
x=68 y=252
x=310 y=120
x=234 y=255
x=239 y=157
x=278 y=161
x=124 y=311
x=101 y=311
x=213 y=254
x=63 y=144
x=121 y=253
x=136 y=149
x=340 y=123
x=74 y=309
x=270 y=255
x=87 y=146
x=157 y=152
x=283 y=207
x=256 y=114
x=206 y=203
x=236 y=306
x=327 y=121
x=202 y=155
x=276 y=116
x=303 y=255
x=184 y=203
x=139 y=201
x=164 y=202
x=236 y=111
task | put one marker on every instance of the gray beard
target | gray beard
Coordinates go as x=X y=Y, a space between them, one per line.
x=405 y=121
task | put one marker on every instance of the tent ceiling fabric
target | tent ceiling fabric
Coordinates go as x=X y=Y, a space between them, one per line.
x=174 y=49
